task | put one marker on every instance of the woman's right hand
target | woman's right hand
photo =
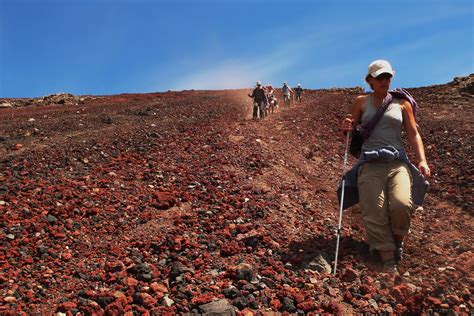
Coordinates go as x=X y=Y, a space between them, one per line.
x=347 y=124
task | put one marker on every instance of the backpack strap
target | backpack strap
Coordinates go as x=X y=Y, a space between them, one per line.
x=366 y=128
x=401 y=93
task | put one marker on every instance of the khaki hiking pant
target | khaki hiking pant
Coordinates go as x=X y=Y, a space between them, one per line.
x=385 y=200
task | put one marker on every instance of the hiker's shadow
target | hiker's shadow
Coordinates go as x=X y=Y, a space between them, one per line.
x=301 y=254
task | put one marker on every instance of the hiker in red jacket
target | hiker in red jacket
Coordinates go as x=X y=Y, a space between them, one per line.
x=384 y=175
x=259 y=101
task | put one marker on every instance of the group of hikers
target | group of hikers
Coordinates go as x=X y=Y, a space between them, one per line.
x=265 y=101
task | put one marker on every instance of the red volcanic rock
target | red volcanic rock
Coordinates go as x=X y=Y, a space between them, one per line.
x=275 y=304
x=202 y=299
x=349 y=275
x=306 y=306
x=465 y=263
x=401 y=292
x=158 y=288
x=147 y=300
x=131 y=282
x=66 y=306
x=114 y=309
x=164 y=200
x=230 y=248
x=433 y=300
x=249 y=206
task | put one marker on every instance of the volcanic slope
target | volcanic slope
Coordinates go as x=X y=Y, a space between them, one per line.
x=180 y=202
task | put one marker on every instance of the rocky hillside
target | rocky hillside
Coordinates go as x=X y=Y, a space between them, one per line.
x=179 y=202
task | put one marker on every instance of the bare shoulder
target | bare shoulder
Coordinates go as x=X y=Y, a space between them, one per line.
x=405 y=105
x=360 y=99
x=359 y=102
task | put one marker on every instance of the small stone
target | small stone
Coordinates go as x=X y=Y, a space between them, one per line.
x=241 y=302
x=219 y=307
x=9 y=299
x=349 y=275
x=176 y=270
x=167 y=301
x=373 y=304
x=157 y=287
x=17 y=146
x=288 y=305
x=51 y=219
x=66 y=306
x=230 y=292
x=147 y=300
x=320 y=264
x=244 y=273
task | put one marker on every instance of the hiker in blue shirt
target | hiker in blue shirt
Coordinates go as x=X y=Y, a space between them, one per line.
x=385 y=179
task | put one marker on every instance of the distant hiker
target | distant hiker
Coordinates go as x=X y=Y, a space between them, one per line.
x=259 y=101
x=286 y=94
x=384 y=181
x=298 y=92
x=272 y=100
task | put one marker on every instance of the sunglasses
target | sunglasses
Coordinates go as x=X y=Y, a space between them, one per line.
x=384 y=76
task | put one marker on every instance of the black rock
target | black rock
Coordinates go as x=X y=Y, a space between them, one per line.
x=288 y=305
x=176 y=270
x=241 y=302
x=268 y=282
x=252 y=302
x=139 y=269
x=137 y=299
x=244 y=273
x=249 y=287
x=147 y=277
x=51 y=219
x=42 y=249
x=103 y=301
x=230 y=292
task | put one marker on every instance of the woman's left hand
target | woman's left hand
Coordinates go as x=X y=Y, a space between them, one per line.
x=424 y=169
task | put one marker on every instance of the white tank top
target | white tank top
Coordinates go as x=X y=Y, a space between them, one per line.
x=388 y=131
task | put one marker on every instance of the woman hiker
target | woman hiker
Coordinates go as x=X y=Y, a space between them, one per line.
x=388 y=185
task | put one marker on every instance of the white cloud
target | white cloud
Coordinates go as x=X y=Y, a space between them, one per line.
x=240 y=73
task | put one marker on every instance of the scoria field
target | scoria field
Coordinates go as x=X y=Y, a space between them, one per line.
x=181 y=203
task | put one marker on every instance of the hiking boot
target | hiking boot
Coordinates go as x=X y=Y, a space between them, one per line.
x=398 y=252
x=390 y=266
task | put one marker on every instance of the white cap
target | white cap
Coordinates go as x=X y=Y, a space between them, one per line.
x=259 y=83
x=378 y=67
x=299 y=84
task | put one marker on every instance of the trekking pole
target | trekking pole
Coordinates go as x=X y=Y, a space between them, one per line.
x=338 y=231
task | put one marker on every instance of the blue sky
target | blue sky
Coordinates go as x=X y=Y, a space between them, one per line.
x=132 y=46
